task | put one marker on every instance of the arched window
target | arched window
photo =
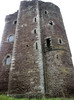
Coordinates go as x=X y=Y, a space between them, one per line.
x=60 y=41
x=46 y=12
x=8 y=60
x=11 y=38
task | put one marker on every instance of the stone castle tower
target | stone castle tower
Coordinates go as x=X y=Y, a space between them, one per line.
x=35 y=58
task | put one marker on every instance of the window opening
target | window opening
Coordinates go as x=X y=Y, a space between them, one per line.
x=45 y=12
x=8 y=60
x=27 y=45
x=48 y=41
x=35 y=31
x=51 y=23
x=11 y=38
x=60 y=41
x=15 y=22
x=36 y=45
x=35 y=19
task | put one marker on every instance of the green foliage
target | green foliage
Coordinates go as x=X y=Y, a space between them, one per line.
x=3 y=97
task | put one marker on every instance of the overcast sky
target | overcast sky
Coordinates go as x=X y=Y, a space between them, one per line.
x=67 y=9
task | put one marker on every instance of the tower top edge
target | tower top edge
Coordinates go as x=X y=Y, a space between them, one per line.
x=10 y=16
x=51 y=3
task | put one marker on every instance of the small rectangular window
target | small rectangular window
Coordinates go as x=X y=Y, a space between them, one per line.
x=48 y=42
x=60 y=41
x=35 y=19
x=8 y=60
x=11 y=38
x=35 y=31
x=36 y=45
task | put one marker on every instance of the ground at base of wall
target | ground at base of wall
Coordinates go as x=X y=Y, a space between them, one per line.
x=4 y=97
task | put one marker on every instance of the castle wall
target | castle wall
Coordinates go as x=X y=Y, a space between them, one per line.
x=26 y=71
x=40 y=55
x=58 y=66
x=6 y=49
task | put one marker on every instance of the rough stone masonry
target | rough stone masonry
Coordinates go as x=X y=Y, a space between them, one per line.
x=35 y=58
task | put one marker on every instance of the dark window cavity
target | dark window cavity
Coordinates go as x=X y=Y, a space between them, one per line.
x=15 y=22
x=8 y=60
x=35 y=19
x=51 y=23
x=27 y=45
x=36 y=45
x=35 y=31
x=60 y=41
x=46 y=12
x=11 y=38
x=48 y=42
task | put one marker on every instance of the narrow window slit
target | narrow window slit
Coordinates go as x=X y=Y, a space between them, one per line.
x=46 y=12
x=36 y=45
x=35 y=31
x=60 y=41
x=35 y=19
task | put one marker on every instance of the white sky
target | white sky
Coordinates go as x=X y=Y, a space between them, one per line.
x=66 y=6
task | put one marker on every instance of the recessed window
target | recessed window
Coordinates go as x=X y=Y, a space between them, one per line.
x=8 y=60
x=51 y=23
x=15 y=22
x=48 y=42
x=60 y=41
x=27 y=45
x=36 y=45
x=11 y=38
x=35 y=31
x=35 y=19
x=46 y=12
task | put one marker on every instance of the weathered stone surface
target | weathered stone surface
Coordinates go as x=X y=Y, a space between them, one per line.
x=40 y=56
x=6 y=48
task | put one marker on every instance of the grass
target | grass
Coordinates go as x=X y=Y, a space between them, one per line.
x=4 y=97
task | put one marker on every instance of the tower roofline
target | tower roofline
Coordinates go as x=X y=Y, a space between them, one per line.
x=42 y=1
